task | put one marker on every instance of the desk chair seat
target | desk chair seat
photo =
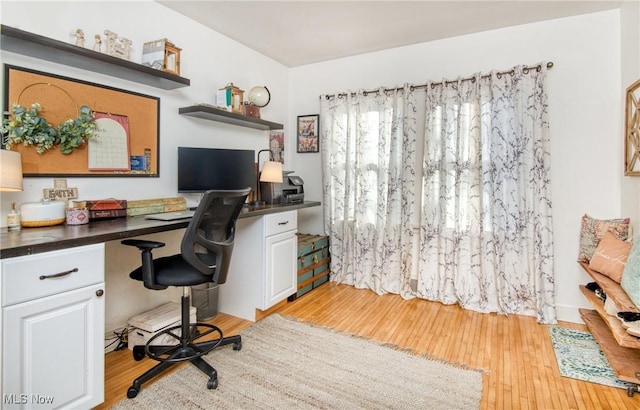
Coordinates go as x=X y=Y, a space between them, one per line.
x=204 y=258
x=175 y=271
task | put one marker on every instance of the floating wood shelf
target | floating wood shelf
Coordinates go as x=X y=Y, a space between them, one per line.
x=624 y=361
x=208 y=112
x=618 y=332
x=621 y=349
x=33 y=45
x=612 y=289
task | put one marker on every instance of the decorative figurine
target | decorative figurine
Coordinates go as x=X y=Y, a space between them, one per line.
x=117 y=46
x=97 y=46
x=110 y=38
x=79 y=37
x=126 y=47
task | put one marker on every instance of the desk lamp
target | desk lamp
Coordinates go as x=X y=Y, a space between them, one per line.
x=271 y=173
x=11 y=181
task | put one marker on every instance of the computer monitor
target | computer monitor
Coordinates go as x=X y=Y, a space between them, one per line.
x=203 y=169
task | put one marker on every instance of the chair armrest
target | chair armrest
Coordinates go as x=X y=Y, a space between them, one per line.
x=148 y=274
x=142 y=244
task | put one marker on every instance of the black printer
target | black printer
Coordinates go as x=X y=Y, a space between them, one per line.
x=290 y=191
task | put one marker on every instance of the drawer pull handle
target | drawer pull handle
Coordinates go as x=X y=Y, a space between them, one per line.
x=58 y=275
x=283 y=223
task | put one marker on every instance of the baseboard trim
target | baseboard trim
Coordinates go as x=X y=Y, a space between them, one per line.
x=569 y=314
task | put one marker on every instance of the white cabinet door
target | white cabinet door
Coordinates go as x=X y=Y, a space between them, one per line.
x=53 y=351
x=280 y=275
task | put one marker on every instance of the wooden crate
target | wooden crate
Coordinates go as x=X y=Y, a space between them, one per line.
x=313 y=263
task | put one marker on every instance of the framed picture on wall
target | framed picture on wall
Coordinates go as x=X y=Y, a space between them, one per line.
x=276 y=145
x=308 y=133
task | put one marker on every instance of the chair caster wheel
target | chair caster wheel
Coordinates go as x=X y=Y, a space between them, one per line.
x=138 y=353
x=237 y=346
x=212 y=384
x=631 y=390
x=132 y=392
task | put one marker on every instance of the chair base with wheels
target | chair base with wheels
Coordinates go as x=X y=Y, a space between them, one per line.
x=196 y=343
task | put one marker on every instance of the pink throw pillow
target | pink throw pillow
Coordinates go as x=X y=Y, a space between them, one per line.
x=610 y=256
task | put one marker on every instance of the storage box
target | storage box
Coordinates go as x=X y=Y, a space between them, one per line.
x=105 y=204
x=159 y=317
x=141 y=337
x=250 y=111
x=149 y=323
x=313 y=263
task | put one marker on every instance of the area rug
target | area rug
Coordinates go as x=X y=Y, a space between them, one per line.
x=579 y=357
x=286 y=364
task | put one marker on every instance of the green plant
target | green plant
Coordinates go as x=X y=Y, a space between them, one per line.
x=74 y=132
x=25 y=126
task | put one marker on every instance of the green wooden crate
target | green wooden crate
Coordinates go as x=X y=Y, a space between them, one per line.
x=322 y=273
x=302 y=278
x=310 y=243
x=313 y=260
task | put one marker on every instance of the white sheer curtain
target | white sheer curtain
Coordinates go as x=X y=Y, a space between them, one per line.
x=485 y=236
x=368 y=145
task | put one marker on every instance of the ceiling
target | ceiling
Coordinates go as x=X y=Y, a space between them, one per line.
x=295 y=33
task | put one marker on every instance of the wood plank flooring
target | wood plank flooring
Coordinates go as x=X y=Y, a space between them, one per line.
x=514 y=352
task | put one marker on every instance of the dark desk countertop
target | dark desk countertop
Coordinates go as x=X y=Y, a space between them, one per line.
x=29 y=241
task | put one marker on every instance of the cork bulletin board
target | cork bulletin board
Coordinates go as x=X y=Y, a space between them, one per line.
x=130 y=119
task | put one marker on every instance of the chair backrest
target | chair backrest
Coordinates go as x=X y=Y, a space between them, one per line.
x=208 y=242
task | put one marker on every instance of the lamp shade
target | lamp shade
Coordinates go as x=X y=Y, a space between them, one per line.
x=271 y=172
x=10 y=171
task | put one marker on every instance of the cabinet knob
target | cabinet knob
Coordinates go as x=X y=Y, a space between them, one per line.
x=99 y=292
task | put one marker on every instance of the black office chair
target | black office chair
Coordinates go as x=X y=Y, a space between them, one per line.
x=205 y=255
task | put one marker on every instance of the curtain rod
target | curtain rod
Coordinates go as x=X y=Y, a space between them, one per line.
x=537 y=67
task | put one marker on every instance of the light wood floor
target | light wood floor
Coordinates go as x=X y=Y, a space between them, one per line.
x=514 y=352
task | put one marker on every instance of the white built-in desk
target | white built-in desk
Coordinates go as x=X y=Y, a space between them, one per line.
x=30 y=241
x=52 y=294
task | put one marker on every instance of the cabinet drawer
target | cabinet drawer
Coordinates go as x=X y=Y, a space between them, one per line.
x=280 y=222
x=30 y=277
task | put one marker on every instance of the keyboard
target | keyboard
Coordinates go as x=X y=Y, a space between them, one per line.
x=171 y=216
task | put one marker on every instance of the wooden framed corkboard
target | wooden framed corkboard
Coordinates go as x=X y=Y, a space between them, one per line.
x=61 y=98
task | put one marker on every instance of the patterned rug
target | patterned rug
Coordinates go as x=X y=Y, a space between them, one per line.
x=286 y=364
x=579 y=357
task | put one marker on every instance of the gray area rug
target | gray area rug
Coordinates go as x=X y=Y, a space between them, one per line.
x=286 y=364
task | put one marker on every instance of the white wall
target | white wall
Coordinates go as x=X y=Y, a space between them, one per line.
x=208 y=59
x=584 y=106
x=630 y=45
x=585 y=111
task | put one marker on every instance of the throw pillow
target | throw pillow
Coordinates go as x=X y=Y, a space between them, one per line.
x=592 y=230
x=610 y=256
x=631 y=275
